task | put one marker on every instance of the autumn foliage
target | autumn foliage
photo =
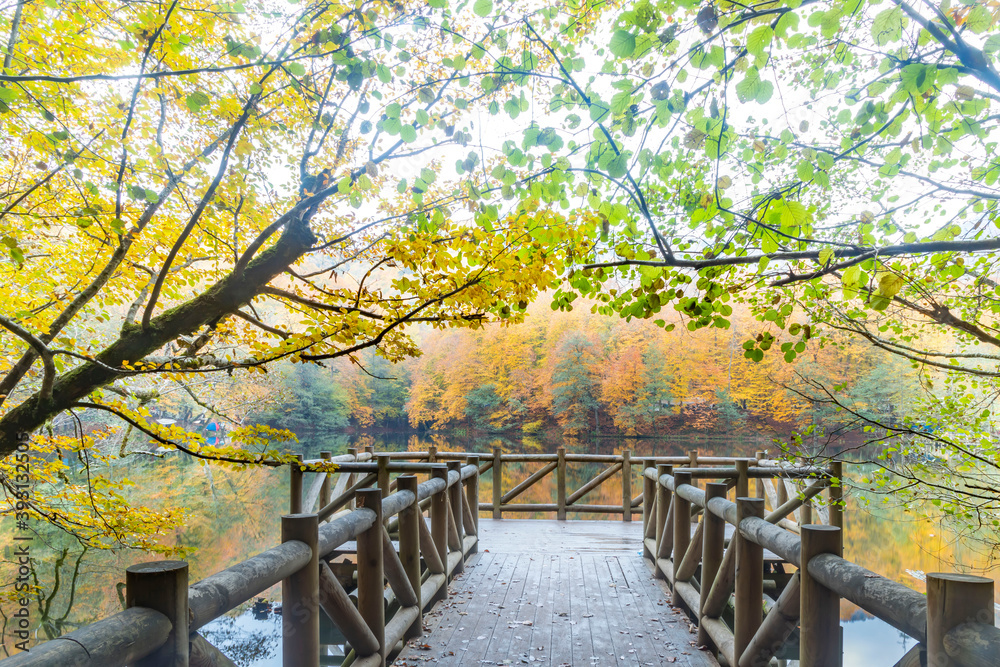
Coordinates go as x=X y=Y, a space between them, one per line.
x=581 y=373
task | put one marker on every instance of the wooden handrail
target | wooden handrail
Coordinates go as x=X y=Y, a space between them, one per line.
x=132 y=635
x=670 y=502
x=828 y=577
x=593 y=484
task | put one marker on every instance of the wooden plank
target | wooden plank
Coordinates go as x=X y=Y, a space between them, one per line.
x=561 y=642
x=447 y=624
x=638 y=640
x=541 y=632
x=489 y=615
x=521 y=648
x=652 y=611
x=509 y=617
x=580 y=616
x=468 y=601
x=581 y=604
x=609 y=598
x=560 y=537
x=606 y=621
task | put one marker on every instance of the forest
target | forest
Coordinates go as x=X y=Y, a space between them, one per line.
x=584 y=374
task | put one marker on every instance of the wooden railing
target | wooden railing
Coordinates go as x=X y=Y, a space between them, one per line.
x=619 y=466
x=164 y=614
x=742 y=612
x=723 y=587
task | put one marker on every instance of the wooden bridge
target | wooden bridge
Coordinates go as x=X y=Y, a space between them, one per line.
x=737 y=562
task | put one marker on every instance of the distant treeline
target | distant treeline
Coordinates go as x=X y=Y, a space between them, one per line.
x=582 y=373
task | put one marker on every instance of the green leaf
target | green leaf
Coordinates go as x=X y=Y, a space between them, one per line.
x=598 y=111
x=991 y=45
x=618 y=166
x=979 y=19
x=889 y=284
x=383 y=73
x=195 y=101
x=759 y=39
x=805 y=170
x=888 y=26
x=825 y=255
x=483 y=7
x=622 y=44
x=793 y=213
x=408 y=133
x=296 y=69
x=753 y=88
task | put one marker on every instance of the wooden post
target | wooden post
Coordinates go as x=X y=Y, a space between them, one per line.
x=324 y=491
x=712 y=546
x=163 y=586
x=627 y=485
x=370 y=450
x=561 y=483
x=300 y=596
x=457 y=511
x=749 y=600
x=648 y=496
x=819 y=636
x=371 y=577
x=432 y=453
x=353 y=451
x=204 y=654
x=295 y=486
x=954 y=599
x=836 y=494
x=497 y=482
x=472 y=494
x=439 y=521
x=742 y=478
x=338 y=606
x=409 y=546
x=693 y=463
x=781 y=490
x=383 y=473
x=682 y=525
x=662 y=507
x=758 y=457
x=806 y=513
x=779 y=623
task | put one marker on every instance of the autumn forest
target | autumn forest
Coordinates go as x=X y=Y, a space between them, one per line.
x=577 y=373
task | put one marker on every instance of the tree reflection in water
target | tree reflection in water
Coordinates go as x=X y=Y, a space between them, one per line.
x=252 y=638
x=249 y=639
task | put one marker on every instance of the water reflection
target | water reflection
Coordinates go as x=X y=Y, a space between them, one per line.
x=250 y=639
x=871 y=641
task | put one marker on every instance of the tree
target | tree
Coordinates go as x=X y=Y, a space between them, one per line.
x=574 y=384
x=376 y=389
x=184 y=188
x=177 y=198
x=312 y=404
x=828 y=158
x=182 y=199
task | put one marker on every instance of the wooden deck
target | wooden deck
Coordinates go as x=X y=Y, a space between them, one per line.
x=556 y=593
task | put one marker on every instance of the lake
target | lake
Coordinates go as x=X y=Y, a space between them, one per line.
x=233 y=514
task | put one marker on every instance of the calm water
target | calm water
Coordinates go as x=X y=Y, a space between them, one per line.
x=234 y=514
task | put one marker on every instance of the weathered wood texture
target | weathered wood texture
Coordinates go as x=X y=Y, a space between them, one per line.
x=556 y=593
